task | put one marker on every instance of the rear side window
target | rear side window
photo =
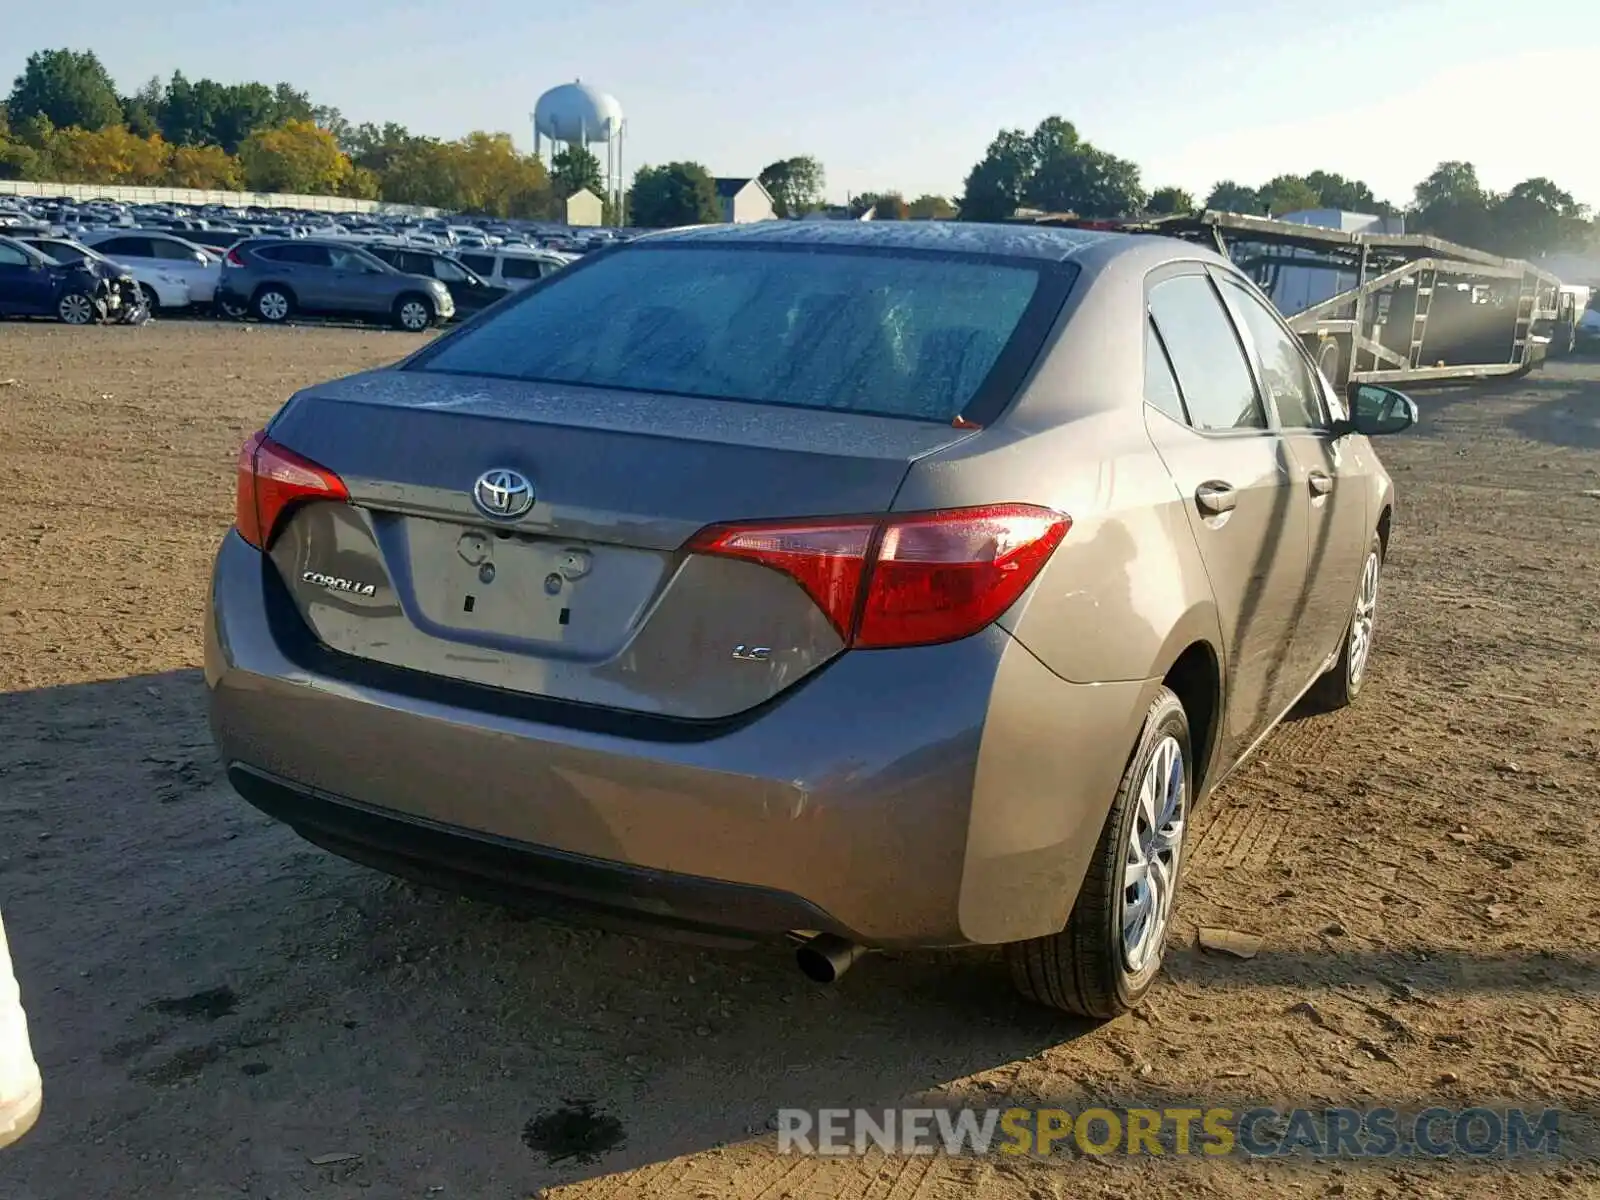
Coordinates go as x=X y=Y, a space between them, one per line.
x=174 y=251
x=1160 y=385
x=895 y=334
x=296 y=252
x=483 y=264
x=130 y=247
x=1206 y=355
x=520 y=268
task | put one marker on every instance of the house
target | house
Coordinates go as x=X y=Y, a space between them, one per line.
x=744 y=200
x=585 y=208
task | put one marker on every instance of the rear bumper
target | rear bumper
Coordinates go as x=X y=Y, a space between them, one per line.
x=611 y=894
x=937 y=796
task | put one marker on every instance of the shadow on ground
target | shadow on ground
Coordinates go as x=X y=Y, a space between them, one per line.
x=1555 y=405
x=215 y=1001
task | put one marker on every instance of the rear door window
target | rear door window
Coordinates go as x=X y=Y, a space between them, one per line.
x=520 y=268
x=1206 y=355
x=172 y=251
x=483 y=264
x=126 y=247
x=898 y=334
x=301 y=254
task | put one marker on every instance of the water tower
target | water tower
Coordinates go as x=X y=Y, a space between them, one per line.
x=576 y=114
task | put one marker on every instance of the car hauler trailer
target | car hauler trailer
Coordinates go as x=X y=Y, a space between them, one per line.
x=1399 y=307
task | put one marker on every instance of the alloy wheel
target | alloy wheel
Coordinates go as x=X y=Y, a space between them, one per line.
x=1362 y=621
x=1155 y=845
x=76 y=309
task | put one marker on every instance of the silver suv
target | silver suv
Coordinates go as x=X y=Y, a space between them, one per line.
x=272 y=279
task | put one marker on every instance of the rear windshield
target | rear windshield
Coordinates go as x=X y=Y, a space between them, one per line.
x=894 y=334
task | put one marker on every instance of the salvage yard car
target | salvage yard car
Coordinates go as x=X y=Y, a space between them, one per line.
x=161 y=289
x=878 y=585
x=77 y=293
x=273 y=279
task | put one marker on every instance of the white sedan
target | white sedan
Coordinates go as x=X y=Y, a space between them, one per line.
x=162 y=289
x=162 y=252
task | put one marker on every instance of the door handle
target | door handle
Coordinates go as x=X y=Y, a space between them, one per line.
x=1215 y=497
x=1321 y=483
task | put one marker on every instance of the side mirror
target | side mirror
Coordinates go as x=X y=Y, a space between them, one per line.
x=1376 y=411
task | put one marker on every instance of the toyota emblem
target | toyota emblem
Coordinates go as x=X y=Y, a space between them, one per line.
x=503 y=494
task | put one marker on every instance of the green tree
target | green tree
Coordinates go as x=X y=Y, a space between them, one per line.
x=1168 y=200
x=335 y=122
x=890 y=206
x=1451 y=203
x=996 y=185
x=1054 y=169
x=17 y=160
x=141 y=112
x=377 y=148
x=67 y=87
x=1537 y=217
x=1350 y=195
x=296 y=157
x=1289 y=194
x=1229 y=196
x=795 y=185
x=575 y=168
x=677 y=193
x=931 y=208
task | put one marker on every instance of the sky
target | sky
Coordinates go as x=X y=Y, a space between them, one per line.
x=892 y=95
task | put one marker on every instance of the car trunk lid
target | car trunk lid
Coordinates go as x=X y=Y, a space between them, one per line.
x=588 y=597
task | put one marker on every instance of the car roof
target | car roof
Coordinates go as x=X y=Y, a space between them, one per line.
x=1015 y=241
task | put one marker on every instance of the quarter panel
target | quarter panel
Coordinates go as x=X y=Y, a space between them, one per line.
x=1052 y=757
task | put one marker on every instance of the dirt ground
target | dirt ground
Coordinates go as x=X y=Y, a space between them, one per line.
x=216 y=1004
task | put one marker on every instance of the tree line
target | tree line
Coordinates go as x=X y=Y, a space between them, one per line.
x=65 y=121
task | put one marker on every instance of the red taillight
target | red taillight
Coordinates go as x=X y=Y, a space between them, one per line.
x=905 y=580
x=271 y=479
x=232 y=259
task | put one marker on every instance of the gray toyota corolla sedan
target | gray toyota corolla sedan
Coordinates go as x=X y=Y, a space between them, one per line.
x=877 y=585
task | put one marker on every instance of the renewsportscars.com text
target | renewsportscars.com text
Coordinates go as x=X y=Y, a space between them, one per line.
x=1209 y=1132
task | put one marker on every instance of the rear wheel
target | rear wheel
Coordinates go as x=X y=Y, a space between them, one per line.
x=151 y=300
x=77 y=308
x=273 y=305
x=413 y=313
x=1342 y=684
x=1104 y=961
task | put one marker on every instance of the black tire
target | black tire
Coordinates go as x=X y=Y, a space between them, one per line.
x=1083 y=969
x=414 y=313
x=78 y=308
x=272 y=304
x=151 y=300
x=1341 y=683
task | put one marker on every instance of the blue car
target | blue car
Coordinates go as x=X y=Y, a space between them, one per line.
x=78 y=293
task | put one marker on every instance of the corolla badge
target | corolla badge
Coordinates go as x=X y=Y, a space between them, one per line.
x=503 y=494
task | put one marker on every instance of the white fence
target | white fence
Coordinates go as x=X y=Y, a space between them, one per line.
x=165 y=195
